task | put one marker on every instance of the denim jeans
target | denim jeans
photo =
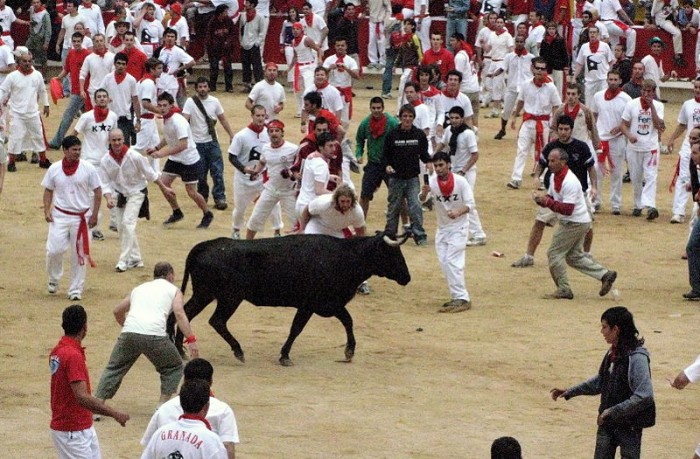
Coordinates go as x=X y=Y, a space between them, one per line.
x=408 y=189
x=453 y=26
x=609 y=438
x=75 y=104
x=388 y=78
x=210 y=153
x=693 y=250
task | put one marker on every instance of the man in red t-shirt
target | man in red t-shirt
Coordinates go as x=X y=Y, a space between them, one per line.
x=312 y=106
x=136 y=65
x=74 y=61
x=72 y=404
x=439 y=56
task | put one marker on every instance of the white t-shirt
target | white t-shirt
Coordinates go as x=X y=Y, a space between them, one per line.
x=181 y=28
x=200 y=131
x=642 y=126
x=447 y=102
x=460 y=197
x=72 y=193
x=220 y=416
x=151 y=303
x=609 y=113
x=6 y=59
x=247 y=146
x=500 y=45
x=268 y=95
x=595 y=66
x=466 y=146
x=326 y=219
x=518 y=70
x=96 y=67
x=95 y=135
x=315 y=170
x=93 y=18
x=319 y=6
x=175 y=129
x=652 y=70
x=482 y=38
x=7 y=17
x=339 y=77
x=120 y=94
x=608 y=10
x=316 y=30
x=68 y=24
x=146 y=90
x=25 y=93
x=534 y=38
x=690 y=116
x=423 y=119
x=149 y=35
x=331 y=99
x=539 y=101
x=177 y=440
x=277 y=159
x=470 y=78
x=571 y=193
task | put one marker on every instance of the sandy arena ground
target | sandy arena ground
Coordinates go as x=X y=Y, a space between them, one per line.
x=422 y=384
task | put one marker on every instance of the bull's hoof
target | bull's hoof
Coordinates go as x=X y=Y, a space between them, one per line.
x=239 y=356
x=349 y=354
x=286 y=362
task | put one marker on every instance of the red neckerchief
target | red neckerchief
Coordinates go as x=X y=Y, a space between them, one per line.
x=250 y=15
x=572 y=113
x=148 y=76
x=522 y=52
x=31 y=69
x=40 y=9
x=172 y=111
x=432 y=91
x=309 y=19
x=559 y=178
x=550 y=38
x=579 y=8
x=537 y=24
x=256 y=129
x=451 y=94
x=341 y=60
x=417 y=102
x=100 y=53
x=196 y=417
x=118 y=157
x=545 y=79
x=611 y=94
x=447 y=186
x=322 y=86
x=149 y=18
x=174 y=18
x=645 y=104
x=296 y=41
x=501 y=32
x=69 y=167
x=377 y=127
x=594 y=46
x=406 y=38
x=697 y=99
x=100 y=114
x=119 y=77
x=116 y=41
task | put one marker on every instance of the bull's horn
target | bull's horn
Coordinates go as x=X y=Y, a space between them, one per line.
x=392 y=243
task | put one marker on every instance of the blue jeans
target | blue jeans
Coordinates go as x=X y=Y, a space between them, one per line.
x=609 y=438
x=408 y=189
x=210 y=154
x=454 y=26
x=75 y=104
x=693 y=250
x=388 y=77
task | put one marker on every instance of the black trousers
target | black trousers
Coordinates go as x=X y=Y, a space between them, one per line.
x=251 y=57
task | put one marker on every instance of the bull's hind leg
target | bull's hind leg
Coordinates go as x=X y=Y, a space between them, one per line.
x=225 y=307
x=344 y=317
x=192 y=308
x=300 y=320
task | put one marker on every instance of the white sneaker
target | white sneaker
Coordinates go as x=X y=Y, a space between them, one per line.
x=135 y=264
x=678 y=219
x=476 y=241
x=53 y=287
x=236 y=235
x=75 y=297
x=524 y=262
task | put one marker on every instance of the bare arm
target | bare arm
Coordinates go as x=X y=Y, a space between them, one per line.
x=680 y=129
x=96 y=203
x=226 y=126
x=121 y=310
x=230 y=449
x=168 y=150
x=48 y=199
x=184 y=324
x=96 y=405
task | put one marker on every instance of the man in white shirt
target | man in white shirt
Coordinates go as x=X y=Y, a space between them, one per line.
x=315 y=27
x=147 y=137
x=517 y=67
x=663 y=12
x=93 y=17
x=72 y=198
x=7 y=18
x=149 y=30
x=143 y=316
x=454 y=200
x=654 y=66
x=220 y=415
x=499 y=45
x=22 y=91
x=183 y=160
x=423 y=21
x=331 y=99
x=536 y=33
x=482 y=57
x=95 y=67
x=268 y=93
x=334 y=214
x=252 y=36
x=123 y=96
x=320 y=7
x=125 y=174
x=594 y=59
x=618 y=24
x=642 y=122
x=565 y=197
x=175 y=62
x=190 y=436
x=464 y=64
x=203 y=113
x=315 y=174
x=343 y=69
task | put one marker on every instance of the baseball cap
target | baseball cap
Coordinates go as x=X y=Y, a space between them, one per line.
x=656 y=40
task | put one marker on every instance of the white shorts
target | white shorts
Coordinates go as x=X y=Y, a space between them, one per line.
x=81 y=444
x=26 y=135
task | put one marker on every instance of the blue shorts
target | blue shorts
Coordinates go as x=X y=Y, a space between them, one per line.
x=374 y=175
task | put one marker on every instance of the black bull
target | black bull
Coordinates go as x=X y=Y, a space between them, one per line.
x=315 y=274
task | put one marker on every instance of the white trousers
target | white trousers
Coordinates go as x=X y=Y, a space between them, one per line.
x=377 y=43
x=616 y=32
x=486 y=83
x=509 y=99
x=63 y=233
x=268 y=200
x=26 y=134
x=424 y=33
x=526 y=142
x=147 y=138
x=676 y=36
x=81 y=444
x=680 y=194
x=616 y=165
x=450 y=246
x=288 y=56
x=406 y=76
x=244 y=195
x=306 y=80
x=644 y=167
x=126 y=219
x=475 y=228
x=498 y=83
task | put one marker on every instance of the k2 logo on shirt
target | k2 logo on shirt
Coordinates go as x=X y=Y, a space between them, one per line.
x=448 y=198
x=101 y=127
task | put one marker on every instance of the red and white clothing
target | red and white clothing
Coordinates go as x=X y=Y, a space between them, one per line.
x=6 y=59
x=643 y=155
x=313 y=28
x=616 y=28
x=72 y=207
x=190 y=438
x=596 y=64
x=23 y=94
x=518 y=70
x=176 y=128
x=172 y=58
x=654 y=70
x=609 y=108
x=341 y=79
x=535 y=36
x=95 y=135
x=95 y=68
x=220 y=416
x=120 y=93
x=690 y=116
x=149 y=34
x=331 y=98
x=277 y=189
x=327 y=219
x=482 y=39
x=451 y=235
x=71 y=423
x=93 y=18
x=447 y=101
x=180 y=26
x=137 y=60
x=538 y=103
x=379 y=11
x=443 y=59
x=129 y=178
x=68 y=23
x=269 y=96
x=501 y=44
x=470 y=77
x=148 y=136
x=7 y=17
x=247 y=145
x=315 y=171
x=304 y=66
x=664 y=14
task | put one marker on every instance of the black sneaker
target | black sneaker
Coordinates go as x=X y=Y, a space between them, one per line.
x=206 y=220
x=35 y=158
x=176 y=216
x=637 y=212
x=97 y=235
x=44 y=163
x=608 y=280
x=652 y=213
x=500 y=135
x=20 y=157
x=12 y=167
x=220 y=205
x=692 y=296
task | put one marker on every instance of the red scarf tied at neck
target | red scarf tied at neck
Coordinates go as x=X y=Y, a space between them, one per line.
x=196 y=417
x=645 y=105
x=594 y=46
x=610 y=94
x=573 y=113
x=172 y=111
x=119 y=156
x=255 y=128
x=309 y=18
x=69 y=167
x=550 y=38
x=377 y=127
x=522 y=52
x=559 y=178
x=447 y=186
x=100 y=114
x=545 y=79
x=322 y=86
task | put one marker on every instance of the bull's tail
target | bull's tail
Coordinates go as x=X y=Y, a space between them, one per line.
x=185 y=277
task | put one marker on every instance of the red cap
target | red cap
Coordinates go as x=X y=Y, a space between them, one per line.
x=176 y=8
x=277 y=124
x=272 y=65
x=298 y=25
